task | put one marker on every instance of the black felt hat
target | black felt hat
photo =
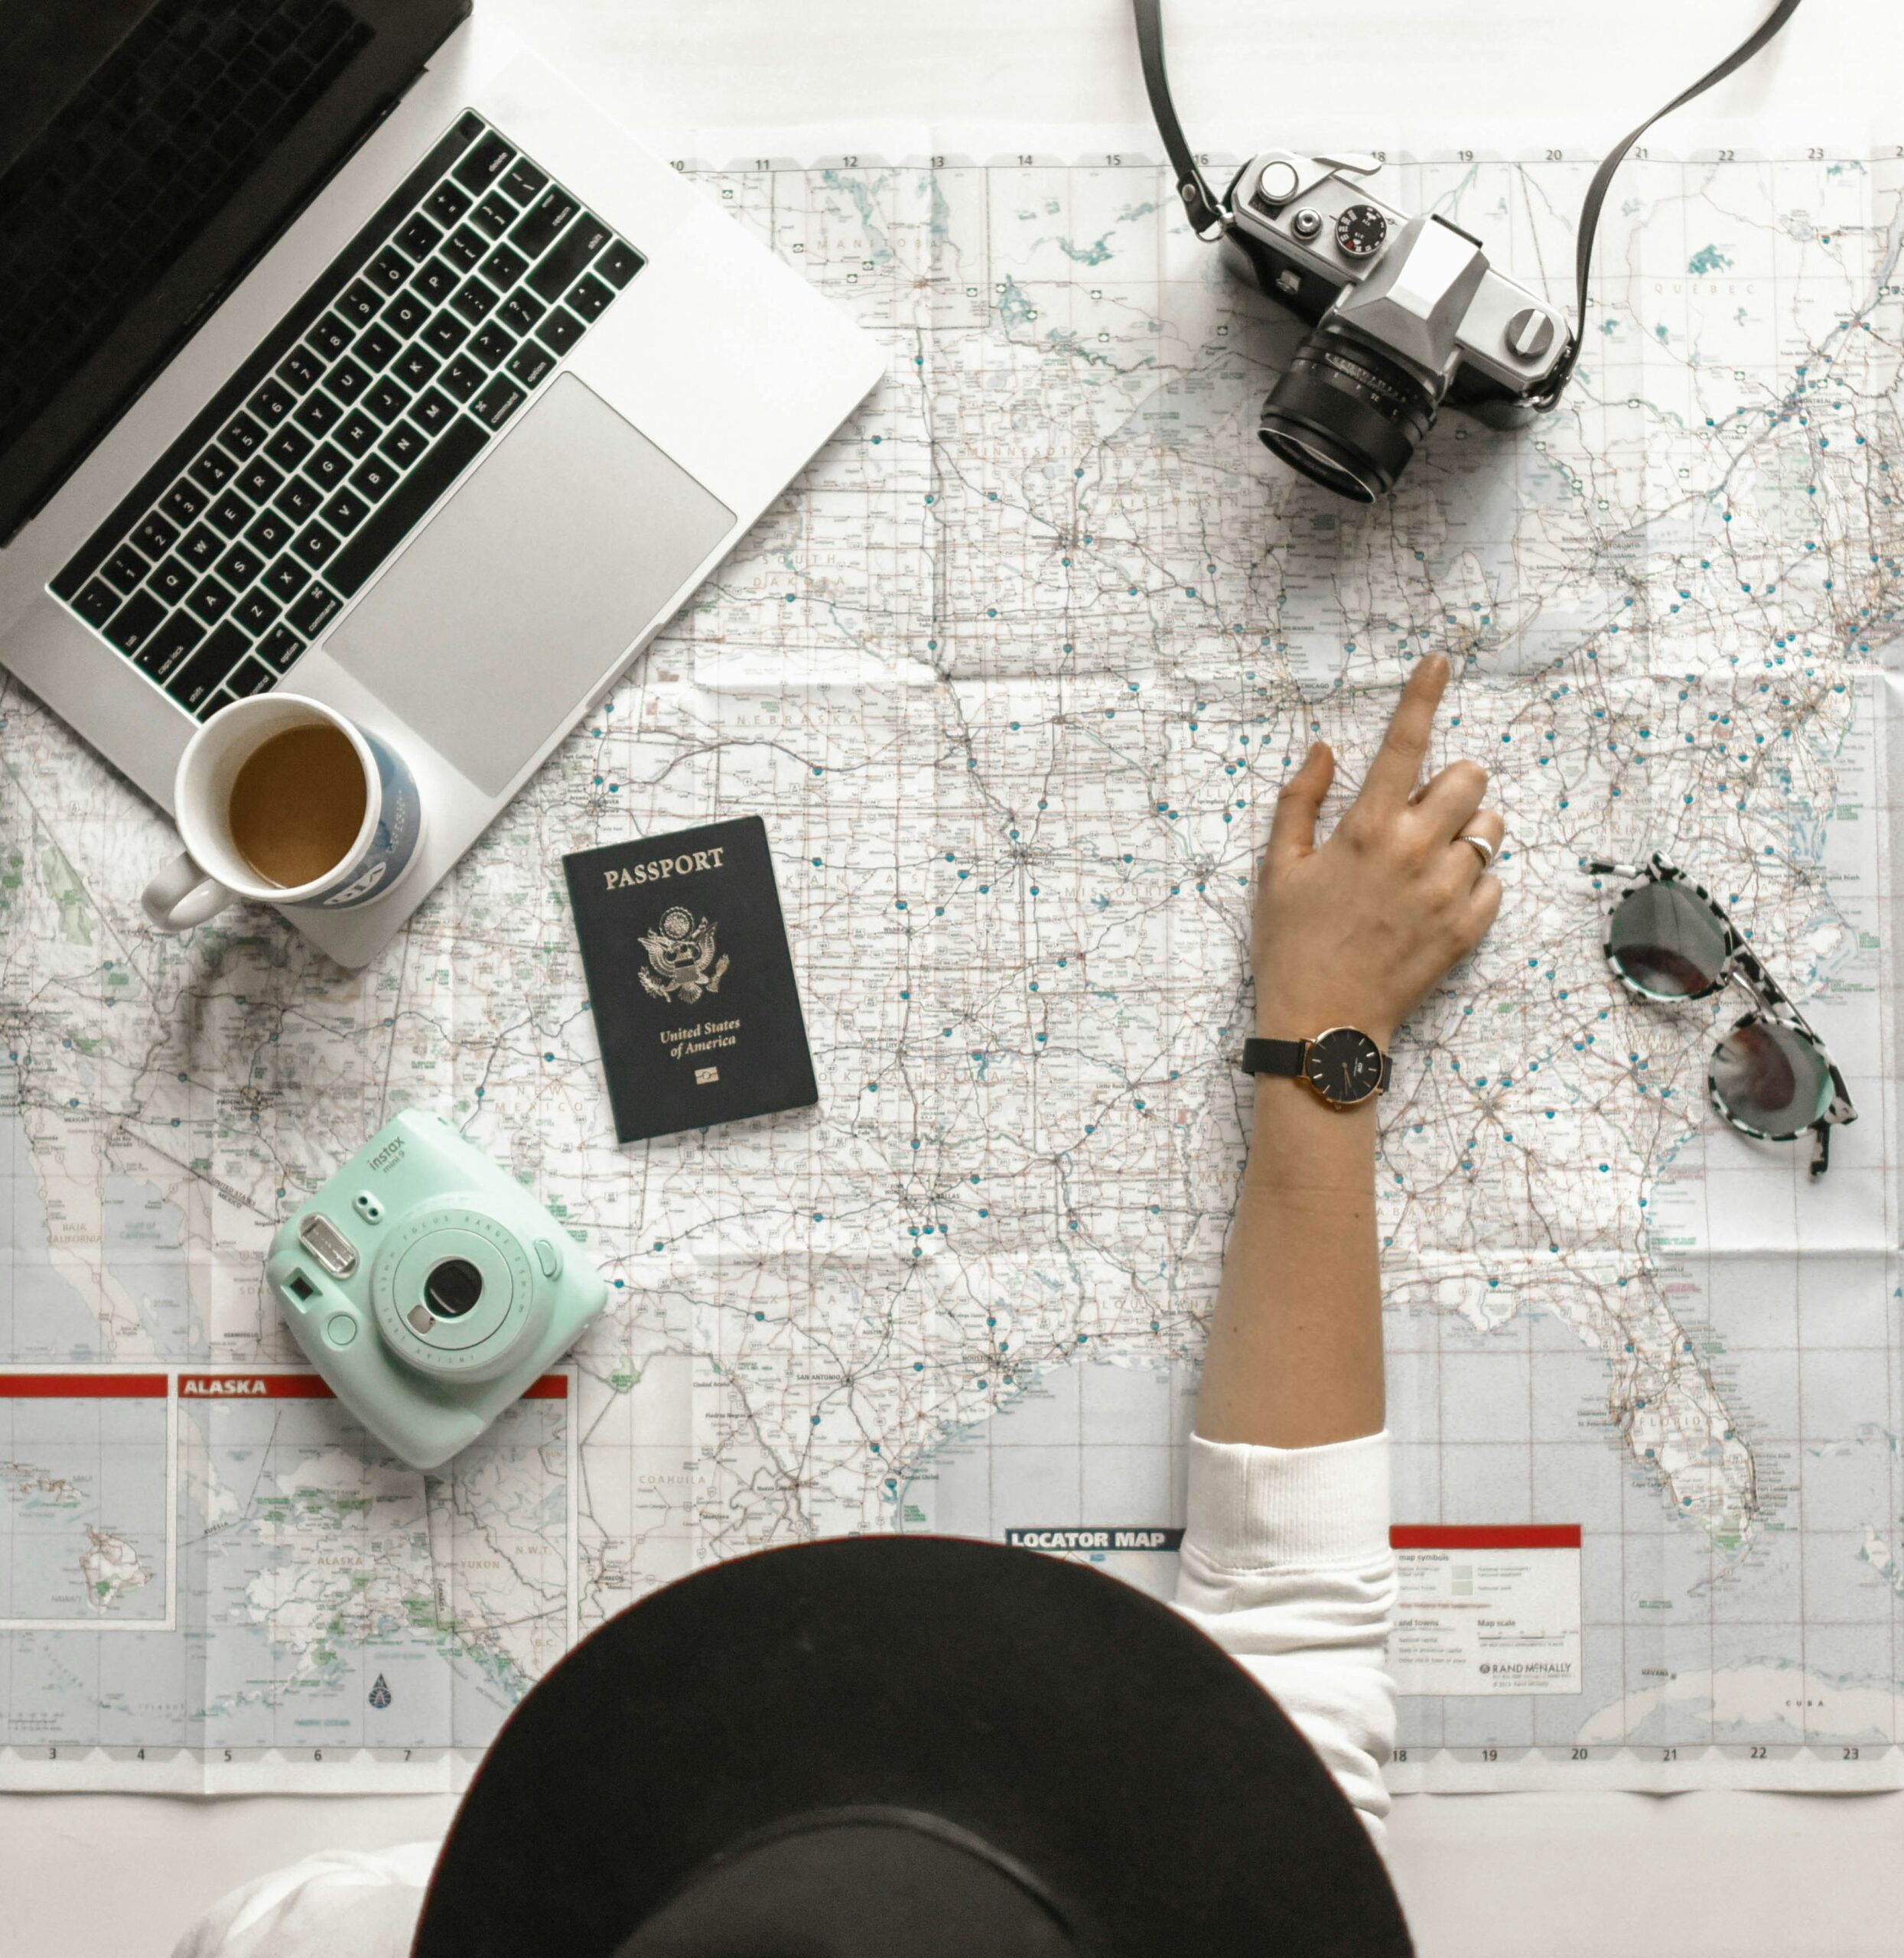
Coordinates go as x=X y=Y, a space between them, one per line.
x=904 y=1748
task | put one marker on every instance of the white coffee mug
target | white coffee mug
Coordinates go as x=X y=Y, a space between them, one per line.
x=200 y=883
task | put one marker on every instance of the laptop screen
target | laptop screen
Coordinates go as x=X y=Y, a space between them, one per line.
x=150 y=151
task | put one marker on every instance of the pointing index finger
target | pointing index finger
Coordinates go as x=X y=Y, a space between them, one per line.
x=1392 y=774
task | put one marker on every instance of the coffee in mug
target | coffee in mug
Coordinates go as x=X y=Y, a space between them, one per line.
x=297 y=803
x=285 y=801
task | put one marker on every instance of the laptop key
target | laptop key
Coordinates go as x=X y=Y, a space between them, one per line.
x=402 y=445
x=203 y=674
x=390 y=269
x=211 y=600
x=288 y=447
x=168 y=649
x=461 y=378
x=356 y=432
x=376 y=346
x=213 y=469
x=202 y=547
x=520 y=311
x=493 y=344
x=588 y=296
x=230 y=513
x=299 y=370
x=465 y=248
x=315 y=544
x=241 y=435
x=446 y=332
x=559 y=267
x=316 y=412
x=125 y=568
x=130 y=625
x=362 y=302
x=220 y=701
x=435 y=471
x=530 y=362
x=404 y=313
x=348 y=380
x=240 y=565
x=97 y=602
x=344 y=512
x=297 y=499
x=155 y=536
x=331 y=335
x=484 y=163
x=286 y=579
x=619 y=263
x=449 y=203
x=560 y=331
x=278 y=648
x=314 y=611
x=259 y=479
x=183 y=500
x=328 y=467
x=373 y=478
x=503 y=267
x=256 y=611
x=437 y=280
x=252 y=678
x=420 y=237
x=271 y=403
x=171 y=581
x=498 y=401
x=268 y=534
x=474 y=301
x=534 y=232
x=494 y=214
x=430 y=411
x=387 y=401
x=524 y=181
x=416 y=366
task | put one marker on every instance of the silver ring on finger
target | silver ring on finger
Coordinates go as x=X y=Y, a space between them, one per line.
x=1483 y=849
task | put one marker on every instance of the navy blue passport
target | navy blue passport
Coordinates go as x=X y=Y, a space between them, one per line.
x=690 y=980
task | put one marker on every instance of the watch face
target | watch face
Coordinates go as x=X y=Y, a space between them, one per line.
x=1344 y=1065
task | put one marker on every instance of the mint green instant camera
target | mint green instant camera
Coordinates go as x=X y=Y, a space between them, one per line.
x=428 y=1288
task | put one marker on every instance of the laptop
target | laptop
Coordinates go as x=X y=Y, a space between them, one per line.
x=345 y=348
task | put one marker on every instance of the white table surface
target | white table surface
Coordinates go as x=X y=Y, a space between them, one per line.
x=1695 y=1876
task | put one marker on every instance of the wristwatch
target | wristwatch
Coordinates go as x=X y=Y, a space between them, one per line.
x=1343 y=1065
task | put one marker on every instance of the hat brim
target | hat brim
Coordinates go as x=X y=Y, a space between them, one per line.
x=1086 y=1732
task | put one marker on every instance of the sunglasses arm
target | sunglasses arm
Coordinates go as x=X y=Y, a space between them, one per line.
x=1821 y=1148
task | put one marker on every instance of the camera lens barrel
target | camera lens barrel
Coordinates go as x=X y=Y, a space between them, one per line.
x=1346 y=414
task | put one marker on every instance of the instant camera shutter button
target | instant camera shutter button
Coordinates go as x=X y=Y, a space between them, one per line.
x=548 y=1257
x=1306 y=224
x=1529 y=333
x=1278 y=183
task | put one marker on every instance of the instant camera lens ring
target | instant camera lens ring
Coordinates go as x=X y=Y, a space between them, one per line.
x=1346 y=414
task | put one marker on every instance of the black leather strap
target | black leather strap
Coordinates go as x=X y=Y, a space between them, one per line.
x=1603 y=177
x=1279 y=1057
x=1207 y=217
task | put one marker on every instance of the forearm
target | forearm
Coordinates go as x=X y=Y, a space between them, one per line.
x=1295 y=1349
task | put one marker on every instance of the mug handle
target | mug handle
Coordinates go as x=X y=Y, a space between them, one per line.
x=181 y=896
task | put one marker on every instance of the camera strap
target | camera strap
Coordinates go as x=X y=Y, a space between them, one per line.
x=1209 y=219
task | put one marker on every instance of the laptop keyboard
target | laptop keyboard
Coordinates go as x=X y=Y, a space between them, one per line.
x=351 y=418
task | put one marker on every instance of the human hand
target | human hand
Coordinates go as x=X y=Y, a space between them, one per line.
x=1352 y=932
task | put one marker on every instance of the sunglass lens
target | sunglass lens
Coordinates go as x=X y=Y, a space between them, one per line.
x=1770 y=1077
x=1665 y=941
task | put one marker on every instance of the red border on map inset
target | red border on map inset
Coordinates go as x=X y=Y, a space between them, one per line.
x=239 y=1385
x=1485 y=1537
x=82 y=1387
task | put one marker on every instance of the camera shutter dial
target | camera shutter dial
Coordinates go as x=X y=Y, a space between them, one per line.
x=1361 y=231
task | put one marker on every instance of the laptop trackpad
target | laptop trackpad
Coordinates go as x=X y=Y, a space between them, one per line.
x=512 y=605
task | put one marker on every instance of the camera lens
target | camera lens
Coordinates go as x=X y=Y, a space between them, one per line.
x=1347 y=414
x=452 y=1288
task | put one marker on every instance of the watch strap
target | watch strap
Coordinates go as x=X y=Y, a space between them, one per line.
x=1278 y=1057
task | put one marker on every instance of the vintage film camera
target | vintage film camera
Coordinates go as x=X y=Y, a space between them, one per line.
x=428 y=1288
x=1405 y=311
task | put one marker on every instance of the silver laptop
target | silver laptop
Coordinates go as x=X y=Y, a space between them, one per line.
x=344 y=348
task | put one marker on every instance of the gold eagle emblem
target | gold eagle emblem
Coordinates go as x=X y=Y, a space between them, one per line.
x=681 y=957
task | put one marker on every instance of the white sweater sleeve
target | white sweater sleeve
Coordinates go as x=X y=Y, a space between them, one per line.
x=341 y=1904
x=1286 y=1564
